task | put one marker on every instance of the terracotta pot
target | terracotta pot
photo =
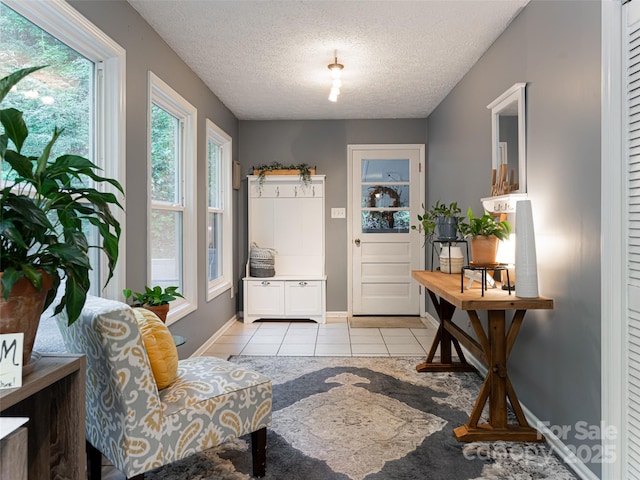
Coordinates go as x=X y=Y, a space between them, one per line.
x=160 y=311
x=484 y=251
x=20 y=313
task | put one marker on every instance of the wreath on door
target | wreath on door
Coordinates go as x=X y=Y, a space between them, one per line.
x=377 y=192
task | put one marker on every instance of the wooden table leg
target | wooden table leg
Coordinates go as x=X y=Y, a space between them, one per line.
x=497 y=388
x=445 y=340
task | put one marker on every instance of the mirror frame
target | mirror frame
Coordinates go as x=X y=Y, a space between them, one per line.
x=515 y=93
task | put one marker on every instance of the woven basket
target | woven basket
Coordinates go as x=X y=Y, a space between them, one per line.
x=451 y=265
x=262 y=261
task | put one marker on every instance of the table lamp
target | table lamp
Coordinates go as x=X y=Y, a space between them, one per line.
x=506 y=257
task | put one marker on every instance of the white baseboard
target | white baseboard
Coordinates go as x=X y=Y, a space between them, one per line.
x=209 y=343
x=240 y=315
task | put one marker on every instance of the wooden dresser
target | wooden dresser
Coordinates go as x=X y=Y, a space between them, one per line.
x=53 y=398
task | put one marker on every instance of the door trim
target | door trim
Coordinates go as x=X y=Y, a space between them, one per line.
x=350 y=150
x=613 y=237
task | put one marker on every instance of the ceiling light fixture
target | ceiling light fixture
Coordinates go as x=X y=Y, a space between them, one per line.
x=336 y=71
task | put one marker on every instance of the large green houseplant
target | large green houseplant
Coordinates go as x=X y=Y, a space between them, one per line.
x=484 y=233
x=47 y=205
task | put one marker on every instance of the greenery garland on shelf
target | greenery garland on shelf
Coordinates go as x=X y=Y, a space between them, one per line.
x=303 y=168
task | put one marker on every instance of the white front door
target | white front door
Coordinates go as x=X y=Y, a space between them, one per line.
x=386 y=188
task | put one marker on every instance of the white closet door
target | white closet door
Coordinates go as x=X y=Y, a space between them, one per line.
x=262 y=219
x=631 y=125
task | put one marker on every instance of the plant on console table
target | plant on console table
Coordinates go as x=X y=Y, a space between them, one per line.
x=46 y=206
x=484 y=233
x=303 y=169
x=443 y=217
x=155 y=299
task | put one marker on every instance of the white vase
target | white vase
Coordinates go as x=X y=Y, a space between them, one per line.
x=526 y=261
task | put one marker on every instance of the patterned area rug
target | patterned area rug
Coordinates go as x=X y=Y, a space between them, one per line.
x=367 y=419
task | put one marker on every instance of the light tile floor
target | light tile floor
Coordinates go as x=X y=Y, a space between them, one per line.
x=334 y=338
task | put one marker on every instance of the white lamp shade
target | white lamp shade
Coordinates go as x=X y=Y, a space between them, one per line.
x=507 y=251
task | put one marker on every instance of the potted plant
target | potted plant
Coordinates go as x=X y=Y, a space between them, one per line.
x=484 y=232
x=155 y=299
x=443 y=217
x=276 y=168
x=46 y=206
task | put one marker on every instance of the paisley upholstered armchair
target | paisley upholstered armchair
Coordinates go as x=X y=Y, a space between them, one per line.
x=138 y=427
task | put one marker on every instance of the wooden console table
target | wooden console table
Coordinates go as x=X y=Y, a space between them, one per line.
x=492 y=348
x=52 y=397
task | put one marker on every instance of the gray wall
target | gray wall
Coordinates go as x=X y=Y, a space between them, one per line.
x=321 y=143
x=147 y=51
x=555 y=48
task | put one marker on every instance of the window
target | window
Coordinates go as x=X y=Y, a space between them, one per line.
x=219 y=216
x=172 y=191
x=81 y=90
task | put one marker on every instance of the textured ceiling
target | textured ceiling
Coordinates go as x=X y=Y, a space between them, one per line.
x=267 y=59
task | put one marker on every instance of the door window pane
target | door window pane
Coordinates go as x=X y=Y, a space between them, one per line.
x=385 y=221
x=387 y=170
x=385 y=196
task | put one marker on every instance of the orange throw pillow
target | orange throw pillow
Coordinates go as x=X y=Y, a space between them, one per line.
x=160 y=346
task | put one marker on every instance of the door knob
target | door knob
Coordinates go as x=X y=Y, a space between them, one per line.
x=357 y=242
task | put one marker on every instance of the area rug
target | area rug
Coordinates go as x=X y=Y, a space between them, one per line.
x=367 y=419
x=386 y=322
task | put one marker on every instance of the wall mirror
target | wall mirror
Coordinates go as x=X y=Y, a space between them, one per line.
x=508 y=142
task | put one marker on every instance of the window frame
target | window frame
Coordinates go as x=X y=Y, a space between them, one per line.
x=165 y=97
x=225 y=143
x=62 y=21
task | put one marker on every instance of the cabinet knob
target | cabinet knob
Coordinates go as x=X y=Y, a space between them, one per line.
x=302 y=284
x=265 y=283
x=357 y=242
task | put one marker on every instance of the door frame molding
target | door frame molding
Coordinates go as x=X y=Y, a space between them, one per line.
x=613 y=257
x=381 y=146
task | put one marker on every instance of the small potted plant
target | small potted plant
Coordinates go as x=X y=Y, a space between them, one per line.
x=484 y=232
x=155 y=299
x=442 y=217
